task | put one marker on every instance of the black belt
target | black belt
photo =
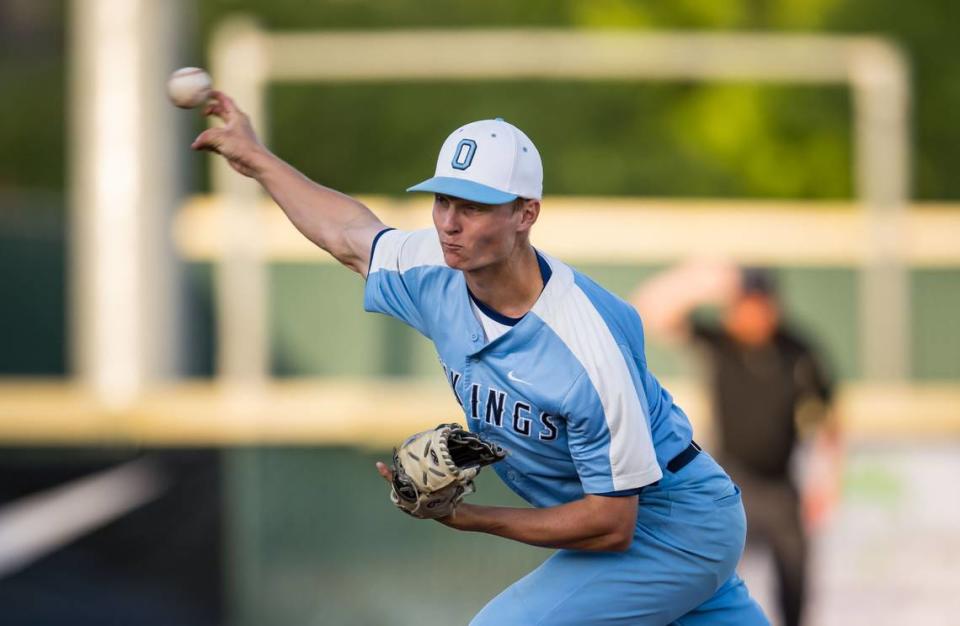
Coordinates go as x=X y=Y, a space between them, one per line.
x=680 y=461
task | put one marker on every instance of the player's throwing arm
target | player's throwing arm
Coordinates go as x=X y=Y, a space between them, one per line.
x=334 y=221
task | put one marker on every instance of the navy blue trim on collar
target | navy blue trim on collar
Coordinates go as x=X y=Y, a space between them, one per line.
x=545 y=271
x=500 y=318
x=373 y=246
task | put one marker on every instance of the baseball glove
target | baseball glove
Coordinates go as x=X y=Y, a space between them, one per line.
x=434 y=470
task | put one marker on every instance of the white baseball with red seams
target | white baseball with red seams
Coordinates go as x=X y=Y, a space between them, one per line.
x=189 y=87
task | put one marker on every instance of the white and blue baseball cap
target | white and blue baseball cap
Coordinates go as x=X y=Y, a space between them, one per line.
x=490 y=161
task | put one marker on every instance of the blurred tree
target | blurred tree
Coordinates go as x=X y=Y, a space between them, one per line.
x=926 y=33
x=686 y=140
x=616 y=138
x=32 y=111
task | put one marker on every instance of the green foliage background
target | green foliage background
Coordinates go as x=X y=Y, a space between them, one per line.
x=666 y=139
x=742 y=140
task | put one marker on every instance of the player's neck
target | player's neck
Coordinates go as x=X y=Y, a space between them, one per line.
x=511 y=287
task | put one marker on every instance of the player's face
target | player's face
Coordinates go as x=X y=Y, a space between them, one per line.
x=474 y=236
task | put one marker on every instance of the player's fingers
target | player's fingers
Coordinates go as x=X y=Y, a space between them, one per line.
x=384 y=471
x=207 y=140
x=226 y=104
x=216 y=107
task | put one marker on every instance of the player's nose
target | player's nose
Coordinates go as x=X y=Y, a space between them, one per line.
x=448 y=221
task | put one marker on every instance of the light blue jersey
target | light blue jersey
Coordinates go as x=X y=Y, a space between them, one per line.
x=566 y=391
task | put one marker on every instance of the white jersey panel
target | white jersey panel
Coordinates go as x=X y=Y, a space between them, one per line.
x=580 y=326
x=401 y=251
x=399 y=263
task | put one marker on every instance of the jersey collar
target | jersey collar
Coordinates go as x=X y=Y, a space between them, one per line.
x=561 y=280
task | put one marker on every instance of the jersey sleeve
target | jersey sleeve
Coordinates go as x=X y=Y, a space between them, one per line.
x=609 y=437
x=400 y=262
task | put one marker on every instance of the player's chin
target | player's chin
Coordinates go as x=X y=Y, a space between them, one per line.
x=454 y=259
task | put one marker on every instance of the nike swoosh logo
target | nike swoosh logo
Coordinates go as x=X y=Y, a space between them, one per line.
x=517 y=380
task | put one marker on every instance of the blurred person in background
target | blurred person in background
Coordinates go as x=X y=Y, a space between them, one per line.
x=767 y=386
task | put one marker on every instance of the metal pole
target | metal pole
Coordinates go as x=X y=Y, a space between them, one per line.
x=124 y=298
x=880 y=81
x=238 y=65
x=165 y=38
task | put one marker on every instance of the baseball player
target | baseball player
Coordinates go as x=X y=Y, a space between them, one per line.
x=548 y=365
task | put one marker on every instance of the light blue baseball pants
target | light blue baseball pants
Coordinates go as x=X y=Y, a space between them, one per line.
x=680 y=569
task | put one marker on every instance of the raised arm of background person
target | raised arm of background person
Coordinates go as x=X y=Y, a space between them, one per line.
x=339 y=224
x=666 y=300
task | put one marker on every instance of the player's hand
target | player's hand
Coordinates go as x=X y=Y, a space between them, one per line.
x=236 y=140
x=387 y=475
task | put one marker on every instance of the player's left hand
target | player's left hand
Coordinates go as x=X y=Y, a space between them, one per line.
x=459 y=519
x=384 y=470
x=433 y=470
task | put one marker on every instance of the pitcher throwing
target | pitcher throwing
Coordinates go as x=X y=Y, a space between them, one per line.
x=549 y=366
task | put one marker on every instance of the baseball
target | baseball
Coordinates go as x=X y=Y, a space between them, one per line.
x=189 y=87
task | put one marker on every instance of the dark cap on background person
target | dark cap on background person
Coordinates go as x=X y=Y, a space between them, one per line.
x=758 y=281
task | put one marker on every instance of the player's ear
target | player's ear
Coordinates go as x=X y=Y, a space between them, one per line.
x=529 y=212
